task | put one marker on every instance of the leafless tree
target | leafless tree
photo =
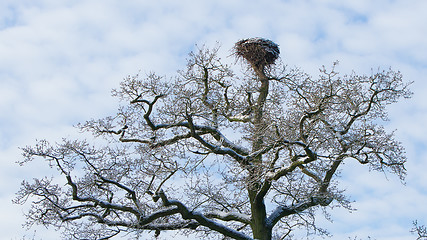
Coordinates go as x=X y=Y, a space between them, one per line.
x=249 y=155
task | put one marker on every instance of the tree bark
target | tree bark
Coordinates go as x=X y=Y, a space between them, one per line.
x=260 y=230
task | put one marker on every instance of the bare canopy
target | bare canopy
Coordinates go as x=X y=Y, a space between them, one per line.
x=206 y=152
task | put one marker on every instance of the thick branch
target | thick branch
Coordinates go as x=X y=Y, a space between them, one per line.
x=263 y=93
x=310 y=173
x=329 y=174
x=196 y=131
x=229 y=216
x=146 y=223
x=101 y=203
x=287 y=169
x=158 y=214
x=243 y=160
x=283 y=211
x=304 y=118
x=228 y=144
x=274 y=176
x=131 y=192
x=201 y=219
x=171 y=226
x=149 y=110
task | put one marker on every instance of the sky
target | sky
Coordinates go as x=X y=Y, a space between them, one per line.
x=59 y=61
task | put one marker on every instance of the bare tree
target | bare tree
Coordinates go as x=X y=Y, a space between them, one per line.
x=219 y=154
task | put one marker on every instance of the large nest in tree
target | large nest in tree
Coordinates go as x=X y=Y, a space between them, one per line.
x=259 y=52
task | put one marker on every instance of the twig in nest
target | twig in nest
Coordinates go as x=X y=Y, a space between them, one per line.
x=259 y=52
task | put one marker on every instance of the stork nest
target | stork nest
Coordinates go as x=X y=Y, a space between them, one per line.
x=259 y=52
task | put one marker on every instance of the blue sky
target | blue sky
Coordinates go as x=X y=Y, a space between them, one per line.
x=60 y=59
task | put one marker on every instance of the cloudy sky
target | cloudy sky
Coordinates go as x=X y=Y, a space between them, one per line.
x=60 y=59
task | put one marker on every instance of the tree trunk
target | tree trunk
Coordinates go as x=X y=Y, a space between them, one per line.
x=258 y=225
x=258 y=210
